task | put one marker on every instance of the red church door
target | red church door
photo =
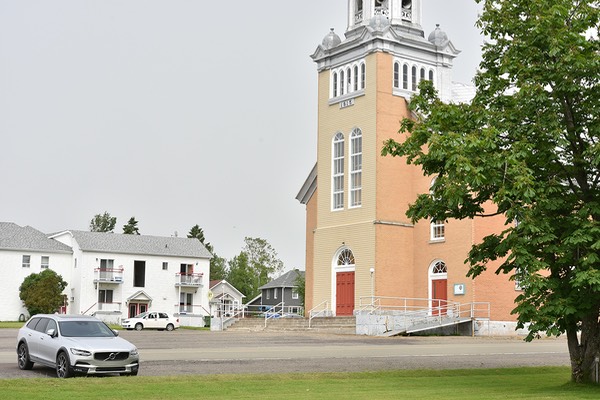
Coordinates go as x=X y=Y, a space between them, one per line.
x=439 y=290
x=344 y=298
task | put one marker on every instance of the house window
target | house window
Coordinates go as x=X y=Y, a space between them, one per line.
x=422 y=77
x=356 y=168
x=107 y=264
x=105 y=296
x=26 y=261
x=165 y=266
x=346 y=258
x=139 y=273
x=268 y=292
x=275 y=293
x=439 y=268
x=294 y=293
x=338 y=172
x=431 y=75
x=45 y=262
x=186 y=302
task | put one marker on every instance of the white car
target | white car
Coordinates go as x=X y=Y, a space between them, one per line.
x=151 y=320
x=75 y=345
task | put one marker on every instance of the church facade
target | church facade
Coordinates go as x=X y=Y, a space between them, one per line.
x=361 y=249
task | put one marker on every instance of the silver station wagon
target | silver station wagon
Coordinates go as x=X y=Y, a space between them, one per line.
x=75 y=345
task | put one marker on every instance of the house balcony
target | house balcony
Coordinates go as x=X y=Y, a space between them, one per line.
x=189 y=280
x=108 y=275
x=109 y=307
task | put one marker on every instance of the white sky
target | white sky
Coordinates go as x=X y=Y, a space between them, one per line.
x=177 y=112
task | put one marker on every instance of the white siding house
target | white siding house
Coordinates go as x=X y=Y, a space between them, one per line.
x=25 y=251
x=115 y=276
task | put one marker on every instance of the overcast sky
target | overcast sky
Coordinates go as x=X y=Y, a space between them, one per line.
x=177 y=112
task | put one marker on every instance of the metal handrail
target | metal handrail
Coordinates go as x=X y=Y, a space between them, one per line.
x=312 y=314
x=272 y=313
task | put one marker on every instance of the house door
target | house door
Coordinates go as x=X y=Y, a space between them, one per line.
x=137 y=308
x=344 y=298
x=439 y=289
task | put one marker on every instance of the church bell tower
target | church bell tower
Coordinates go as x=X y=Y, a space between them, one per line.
x=359 y=240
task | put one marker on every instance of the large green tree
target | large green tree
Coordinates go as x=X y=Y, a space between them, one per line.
x=131 y=228
x=218 y=268
x=103 y=223
x=241 y=275
x=42 y=293
x=262 y=258
x=527 y=147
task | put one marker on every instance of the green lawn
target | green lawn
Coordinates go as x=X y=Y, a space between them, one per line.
x=487 y=384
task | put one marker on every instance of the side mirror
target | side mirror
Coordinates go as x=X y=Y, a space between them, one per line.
x=116 y=332
x=51 y=332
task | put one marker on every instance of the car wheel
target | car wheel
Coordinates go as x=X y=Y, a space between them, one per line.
x=63 y=366
x=139 y=326
x=170 y=327
x=23 y=357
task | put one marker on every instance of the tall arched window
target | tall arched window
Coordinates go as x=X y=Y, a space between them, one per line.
x=413 y=72
x=355 y=78
x=356 y=168
x=422 y=76
x=335 y=84
x=363 y=75
x=405 y=77
x=431 y=75
x=342 y=83
x=338 y=172
x=348 y=80
x=397 y=75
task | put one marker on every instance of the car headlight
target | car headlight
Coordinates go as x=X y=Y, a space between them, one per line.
x=79 y=352
x=133 y=352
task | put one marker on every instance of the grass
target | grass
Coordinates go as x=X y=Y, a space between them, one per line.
x=489 y=384
x=11 y=324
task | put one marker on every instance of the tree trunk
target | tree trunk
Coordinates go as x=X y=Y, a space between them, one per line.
x=584 y=349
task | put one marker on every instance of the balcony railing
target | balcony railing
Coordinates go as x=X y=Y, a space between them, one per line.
x=108 y=275
x=110 y=307
x=184 y=279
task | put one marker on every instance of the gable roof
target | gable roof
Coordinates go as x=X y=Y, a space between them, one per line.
x=216 y=282
x=15 y=237
x=286 y=280
x=104 y=242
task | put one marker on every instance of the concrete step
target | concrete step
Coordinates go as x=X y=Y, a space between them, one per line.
x=345 y=325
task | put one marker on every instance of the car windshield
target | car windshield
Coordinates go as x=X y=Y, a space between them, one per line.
x=142 y=315
x=85 y=329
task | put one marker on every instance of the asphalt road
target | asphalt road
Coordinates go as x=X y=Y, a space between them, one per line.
x=185 y=352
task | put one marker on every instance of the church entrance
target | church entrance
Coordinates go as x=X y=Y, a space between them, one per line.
x=344 y=293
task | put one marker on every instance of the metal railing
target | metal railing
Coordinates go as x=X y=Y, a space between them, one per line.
x=320 y=310
x=108 y=275
x=184 y=279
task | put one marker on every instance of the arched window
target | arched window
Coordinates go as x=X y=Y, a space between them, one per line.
x=345 y=258
x=397 y=75
x=342 y=82
x=413 y=72
x=349 y=80
x=437 y=228
x=431 y=75
x=338 y=172
x=422 y=76
x=356 y=168
x=363 y=75
x=335 y=84
x=355 y=78
x=439 y=268
x=405 y=77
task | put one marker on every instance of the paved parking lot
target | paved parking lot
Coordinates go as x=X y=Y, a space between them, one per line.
x=201 y=352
